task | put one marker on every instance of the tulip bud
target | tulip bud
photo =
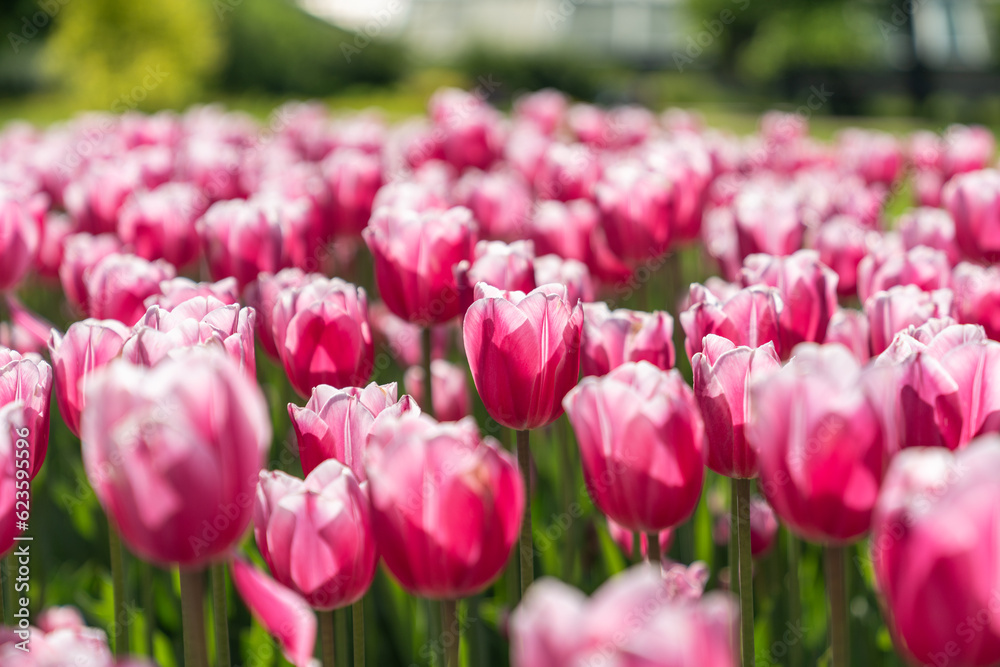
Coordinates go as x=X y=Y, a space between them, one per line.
x=118 y=285
x=450 y=391
x=612 y=338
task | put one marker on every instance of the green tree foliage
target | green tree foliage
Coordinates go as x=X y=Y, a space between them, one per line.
x=274 y=47
x=122 y=54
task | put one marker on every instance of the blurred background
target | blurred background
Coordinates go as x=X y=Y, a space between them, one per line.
x=933 y=61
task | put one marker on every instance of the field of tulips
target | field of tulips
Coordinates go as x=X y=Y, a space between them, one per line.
x=564 y=387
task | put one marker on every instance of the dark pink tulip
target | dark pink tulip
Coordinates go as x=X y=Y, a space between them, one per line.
x=447 y=505
x=842 y=242
x=977 y=296
x=524 y=352
x=544 y=108
x=94 y=199
x=335 y=423
x=589 y=124
x=625 y=539
x=808 y=290
x=353 y=177
x=178 y=290
x=640 y=437
x=509 y=267
x=243 y=238
x=118 y=286
x=821 y=443
x=687 y=164
x=889 y=266
x=322 y=334
x=973 y=199
x=403 y=340
x=639 y=618
x=80 y=252
x=931 y=227
x=500 y=202
x=316 y=535
x=763 y=527
x=722 y=374
x=280 y=610
x=875 y=156
x=934 y=547
x=20 y=238
x=569 y=272
x=614 y=337
x=415 y=254
x=768 y=220
x=85 y=347
x=525 y=149
x=750 y=317
x=567 y=172
x=849 y=327
x=635 y=205
x=262 y=295
x=564 y=228
x=471 y=131
x=449 y=387
x=160 y=223
x=201 y=320
x=12 y=427
x=28 y=380
x=173 y=453
x=50 y=251
x=902 y=306
x=965 y=148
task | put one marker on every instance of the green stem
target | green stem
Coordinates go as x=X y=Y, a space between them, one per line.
x=358 y=628
x=794 y=599
x=566 y=482
x=451 y=632
x=149 y=605
x=119 y=624
x=734 y=532
x=193 y=617
x=836 y=590
x=527 y=547
x=428 y=405
x=343 y=642
x=326 y=634
x=653 y=548
x=220 y=615
x=746 y=572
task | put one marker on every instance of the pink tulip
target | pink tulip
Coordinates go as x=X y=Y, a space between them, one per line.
x=639 y=618
x=94 y=199
x=850 y=328
x=471 y=131
x=173 y=453
x=977 y=296
x=572 y=274
x=65 y=645
x=262 y=295
x=322 y=334
x=842 y=242
x=316 y=535
x=335 y=423
x=449 y=389
x=524 y=352
x=544 y=108
x=20 y=238
x=625 y=539
x=614 y=337
x=564 y=228
x=875 y=156
x=353 y=177
x=973 y=199
x=50 y=250
x=118 y=285
x=12 y=427
x=924 y=267
x=506 y=267
x=808 y=290
x=768 y=220
x=500 y=202
x=80 y=252
x=178 y=290
x=85 y=347
x=198 y=321
x=933 y=547
x=749 y=317
x=28 y=380
x=640 y=437
x=447 y=505
x=902 y=306
x=567 y=172
x=763 y=528
x=414 y=258
x=27 y=331
x=403 y=340
x=931 y=227
x=821 y=443
x=635 y=205
x=160 y=224
x=723 y=373
x=687 y=163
